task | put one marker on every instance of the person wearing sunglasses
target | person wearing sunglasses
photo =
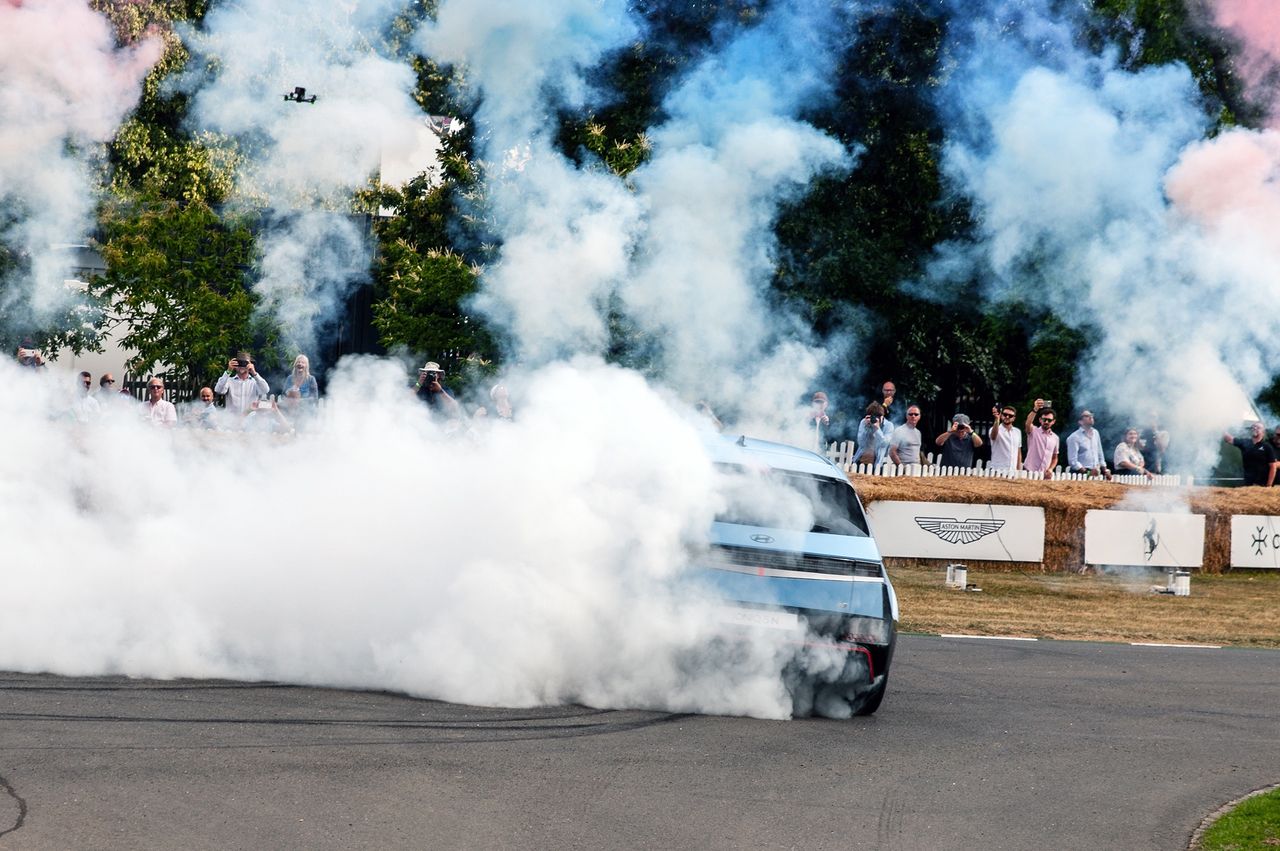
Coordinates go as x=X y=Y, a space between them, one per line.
x=85 y=408
x=1042 y=443
x=1006 y=439
x=904 y=444
x=158 y=410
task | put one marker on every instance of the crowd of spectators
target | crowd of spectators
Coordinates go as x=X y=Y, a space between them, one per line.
x=1033 y=446
x=242 y=400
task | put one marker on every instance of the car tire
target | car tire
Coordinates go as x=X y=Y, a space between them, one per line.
x=869 y=701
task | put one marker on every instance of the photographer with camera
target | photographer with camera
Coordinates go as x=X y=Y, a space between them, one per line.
x=958 y=443
x=873 y=436
x=242 y=386
x=432 y=393
x=28 y=356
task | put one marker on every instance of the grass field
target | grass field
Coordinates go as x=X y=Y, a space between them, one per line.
x=1252 y=826
x=1237 y=609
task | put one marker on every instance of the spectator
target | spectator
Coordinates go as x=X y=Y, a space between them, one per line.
x=431 y=392
x=904 y=443
x=1275 y=442
x=1084 y=449
x=1128 y=459
x=874 y=432
x=106 y=384
x=1257 y=456
x=28 y=356
x=241 y=385
x=85 y=408
x=265 y=418
x=1006 y=439
x=158 y=410
x=958 y=443
x=819 y=421
x=301 y=380
x=1153 y=441
x=888 y=391
x=204 y=413
x=1042 y=442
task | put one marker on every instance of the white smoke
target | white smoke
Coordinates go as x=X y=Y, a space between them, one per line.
x=299 y=158
x=377 y=551
x=540 y=561
x=1072 y=165
x=64 y=89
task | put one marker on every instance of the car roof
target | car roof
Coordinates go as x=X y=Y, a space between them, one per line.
x=749 y=450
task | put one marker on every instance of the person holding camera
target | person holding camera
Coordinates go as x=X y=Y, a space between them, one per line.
x=1042 y=441
x=241 y=385
x=1006 y=440
x=28 y=356
x=958 y=443
x=873 y=436
x=432 y=393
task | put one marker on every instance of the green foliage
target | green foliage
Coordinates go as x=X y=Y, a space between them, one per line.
x=175 y=283
x=421 y=310
x=1157 y=32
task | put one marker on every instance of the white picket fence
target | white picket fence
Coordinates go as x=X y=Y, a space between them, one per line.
x=843 y=454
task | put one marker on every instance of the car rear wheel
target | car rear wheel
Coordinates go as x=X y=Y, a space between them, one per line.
x=869 y=701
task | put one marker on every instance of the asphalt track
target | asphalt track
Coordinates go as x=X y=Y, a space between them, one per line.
x=979 y=745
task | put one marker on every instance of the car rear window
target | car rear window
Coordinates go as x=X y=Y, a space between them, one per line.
x=799 y=502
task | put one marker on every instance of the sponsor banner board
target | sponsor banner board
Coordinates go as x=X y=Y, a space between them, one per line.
x=958 y=530
x=1141 y=537
x=1255 y=540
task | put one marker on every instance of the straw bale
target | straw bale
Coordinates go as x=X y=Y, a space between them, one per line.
x=1065 y=504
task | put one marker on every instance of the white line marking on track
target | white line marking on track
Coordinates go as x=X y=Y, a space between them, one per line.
x=1154 y=644
x=988 y=637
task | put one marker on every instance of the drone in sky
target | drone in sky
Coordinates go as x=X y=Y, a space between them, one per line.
x=299 y=95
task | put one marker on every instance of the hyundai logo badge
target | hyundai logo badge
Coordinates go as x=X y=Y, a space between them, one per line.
x=762 y=539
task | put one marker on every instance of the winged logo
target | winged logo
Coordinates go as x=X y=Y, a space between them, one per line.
x=955 y=531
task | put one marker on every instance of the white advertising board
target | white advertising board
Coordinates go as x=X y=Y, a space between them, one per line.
x=958 y=530
x=1140 y=537
x=1255 y=540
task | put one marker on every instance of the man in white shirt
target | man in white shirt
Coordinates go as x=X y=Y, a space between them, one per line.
x=158 y=410
x=1084 y=449
x=904 y=443
x=242 y=386
x=85 y=409
x=1006 y=440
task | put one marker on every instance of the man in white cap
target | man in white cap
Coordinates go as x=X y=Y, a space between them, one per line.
x=432 y=393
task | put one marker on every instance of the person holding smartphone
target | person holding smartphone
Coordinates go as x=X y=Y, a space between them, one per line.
x=872 y=446
x=242 y=386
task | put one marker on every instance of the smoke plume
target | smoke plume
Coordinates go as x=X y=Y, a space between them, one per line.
x=64 y=89
x=1095 y=198
x=301 y=159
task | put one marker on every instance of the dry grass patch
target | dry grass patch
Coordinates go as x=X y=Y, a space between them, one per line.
x=1237 y=608
x=1065 y=504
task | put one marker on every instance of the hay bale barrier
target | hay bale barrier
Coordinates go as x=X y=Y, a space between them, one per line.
x=1065 y=504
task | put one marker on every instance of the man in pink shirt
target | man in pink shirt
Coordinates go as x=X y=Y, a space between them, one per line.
x=1042 y=445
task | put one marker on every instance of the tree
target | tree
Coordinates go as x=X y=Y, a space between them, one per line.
x=175 y=286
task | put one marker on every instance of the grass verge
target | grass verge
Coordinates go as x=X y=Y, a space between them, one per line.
x=1253 y=825
x=1237 y=608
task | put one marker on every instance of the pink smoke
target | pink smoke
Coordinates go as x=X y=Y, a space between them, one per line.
x=1231 y=181
x=1257 y=24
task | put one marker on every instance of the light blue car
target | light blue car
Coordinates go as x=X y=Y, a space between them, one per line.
x=792 y=548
